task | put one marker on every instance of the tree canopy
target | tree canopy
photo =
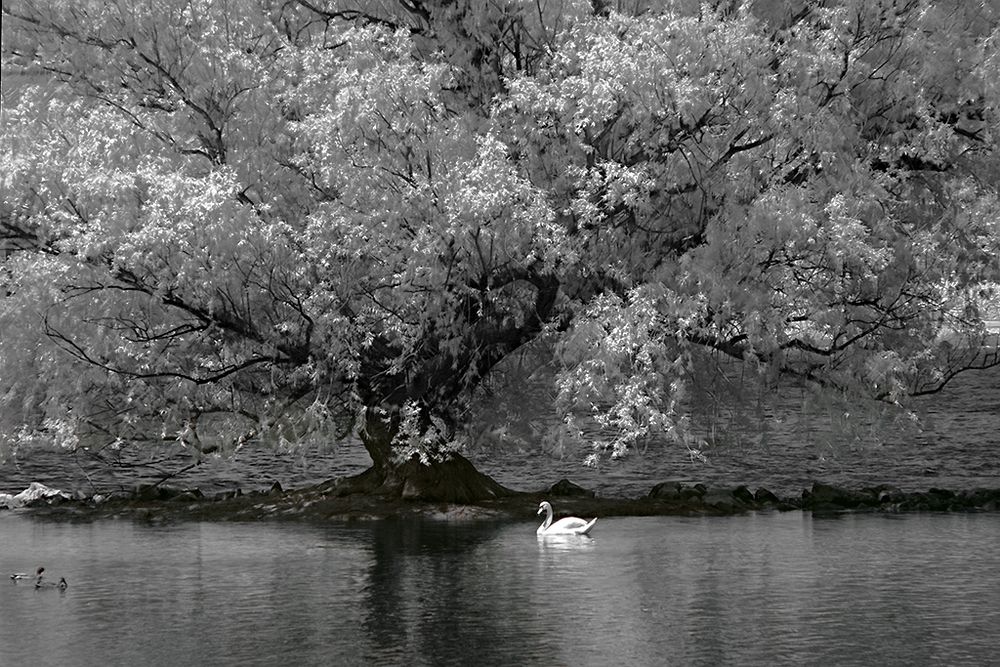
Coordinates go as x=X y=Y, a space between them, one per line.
x=248 y=217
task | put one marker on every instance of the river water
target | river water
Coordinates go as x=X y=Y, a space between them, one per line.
x=785 y=445
x=767 y=588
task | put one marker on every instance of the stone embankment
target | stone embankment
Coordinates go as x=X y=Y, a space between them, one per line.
x=826 y=498
x=322 y=502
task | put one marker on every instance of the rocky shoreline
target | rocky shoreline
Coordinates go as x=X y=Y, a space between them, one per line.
x=327 y=502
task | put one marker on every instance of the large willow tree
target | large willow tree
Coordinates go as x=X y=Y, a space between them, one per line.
x=223 y=217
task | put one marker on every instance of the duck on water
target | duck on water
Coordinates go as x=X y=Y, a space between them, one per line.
x=61 y=584
x=18 y=576
x=40 y=580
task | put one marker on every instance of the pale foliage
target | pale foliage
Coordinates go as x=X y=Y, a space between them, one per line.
x=241 y=219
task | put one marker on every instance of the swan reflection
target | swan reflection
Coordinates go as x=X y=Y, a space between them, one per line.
x=564 y=542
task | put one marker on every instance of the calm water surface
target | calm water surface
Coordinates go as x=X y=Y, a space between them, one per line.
x=955 y=445
x=761 y=589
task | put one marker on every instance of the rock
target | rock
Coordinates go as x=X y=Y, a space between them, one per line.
x=276 y=489
x=148 y=492
x=57 y=499
x=915 y=502
x=675 y=491
x=721 y=499
x=188 y=496
x=765 y=497
x=888 y=495
x=867 y=498
x=980 y=499
x=694 y=493
x=566 y=488
x=666 y=491
x=827 y=497
x=928 y=502
x=36 y=494
x=742 y=494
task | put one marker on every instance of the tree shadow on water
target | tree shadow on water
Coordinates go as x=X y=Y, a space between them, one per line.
x=443 y=593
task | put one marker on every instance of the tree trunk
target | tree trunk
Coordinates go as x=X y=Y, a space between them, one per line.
x=453 y=479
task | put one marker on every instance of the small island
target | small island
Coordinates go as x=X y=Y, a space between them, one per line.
x=244 y=230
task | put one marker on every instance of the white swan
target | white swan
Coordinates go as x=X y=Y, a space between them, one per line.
x=568 y=526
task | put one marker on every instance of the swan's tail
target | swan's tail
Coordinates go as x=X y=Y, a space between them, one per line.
x=586 y=529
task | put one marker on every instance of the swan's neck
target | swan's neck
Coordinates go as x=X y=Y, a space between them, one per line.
x=548 y=519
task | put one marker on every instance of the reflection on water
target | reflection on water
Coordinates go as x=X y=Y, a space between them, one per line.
x=563 y=543
x=767 y=588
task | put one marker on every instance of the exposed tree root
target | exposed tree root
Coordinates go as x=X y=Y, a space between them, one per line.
x=455 y=480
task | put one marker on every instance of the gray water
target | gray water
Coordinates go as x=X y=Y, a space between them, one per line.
x=769 y=588
x=788 y=444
